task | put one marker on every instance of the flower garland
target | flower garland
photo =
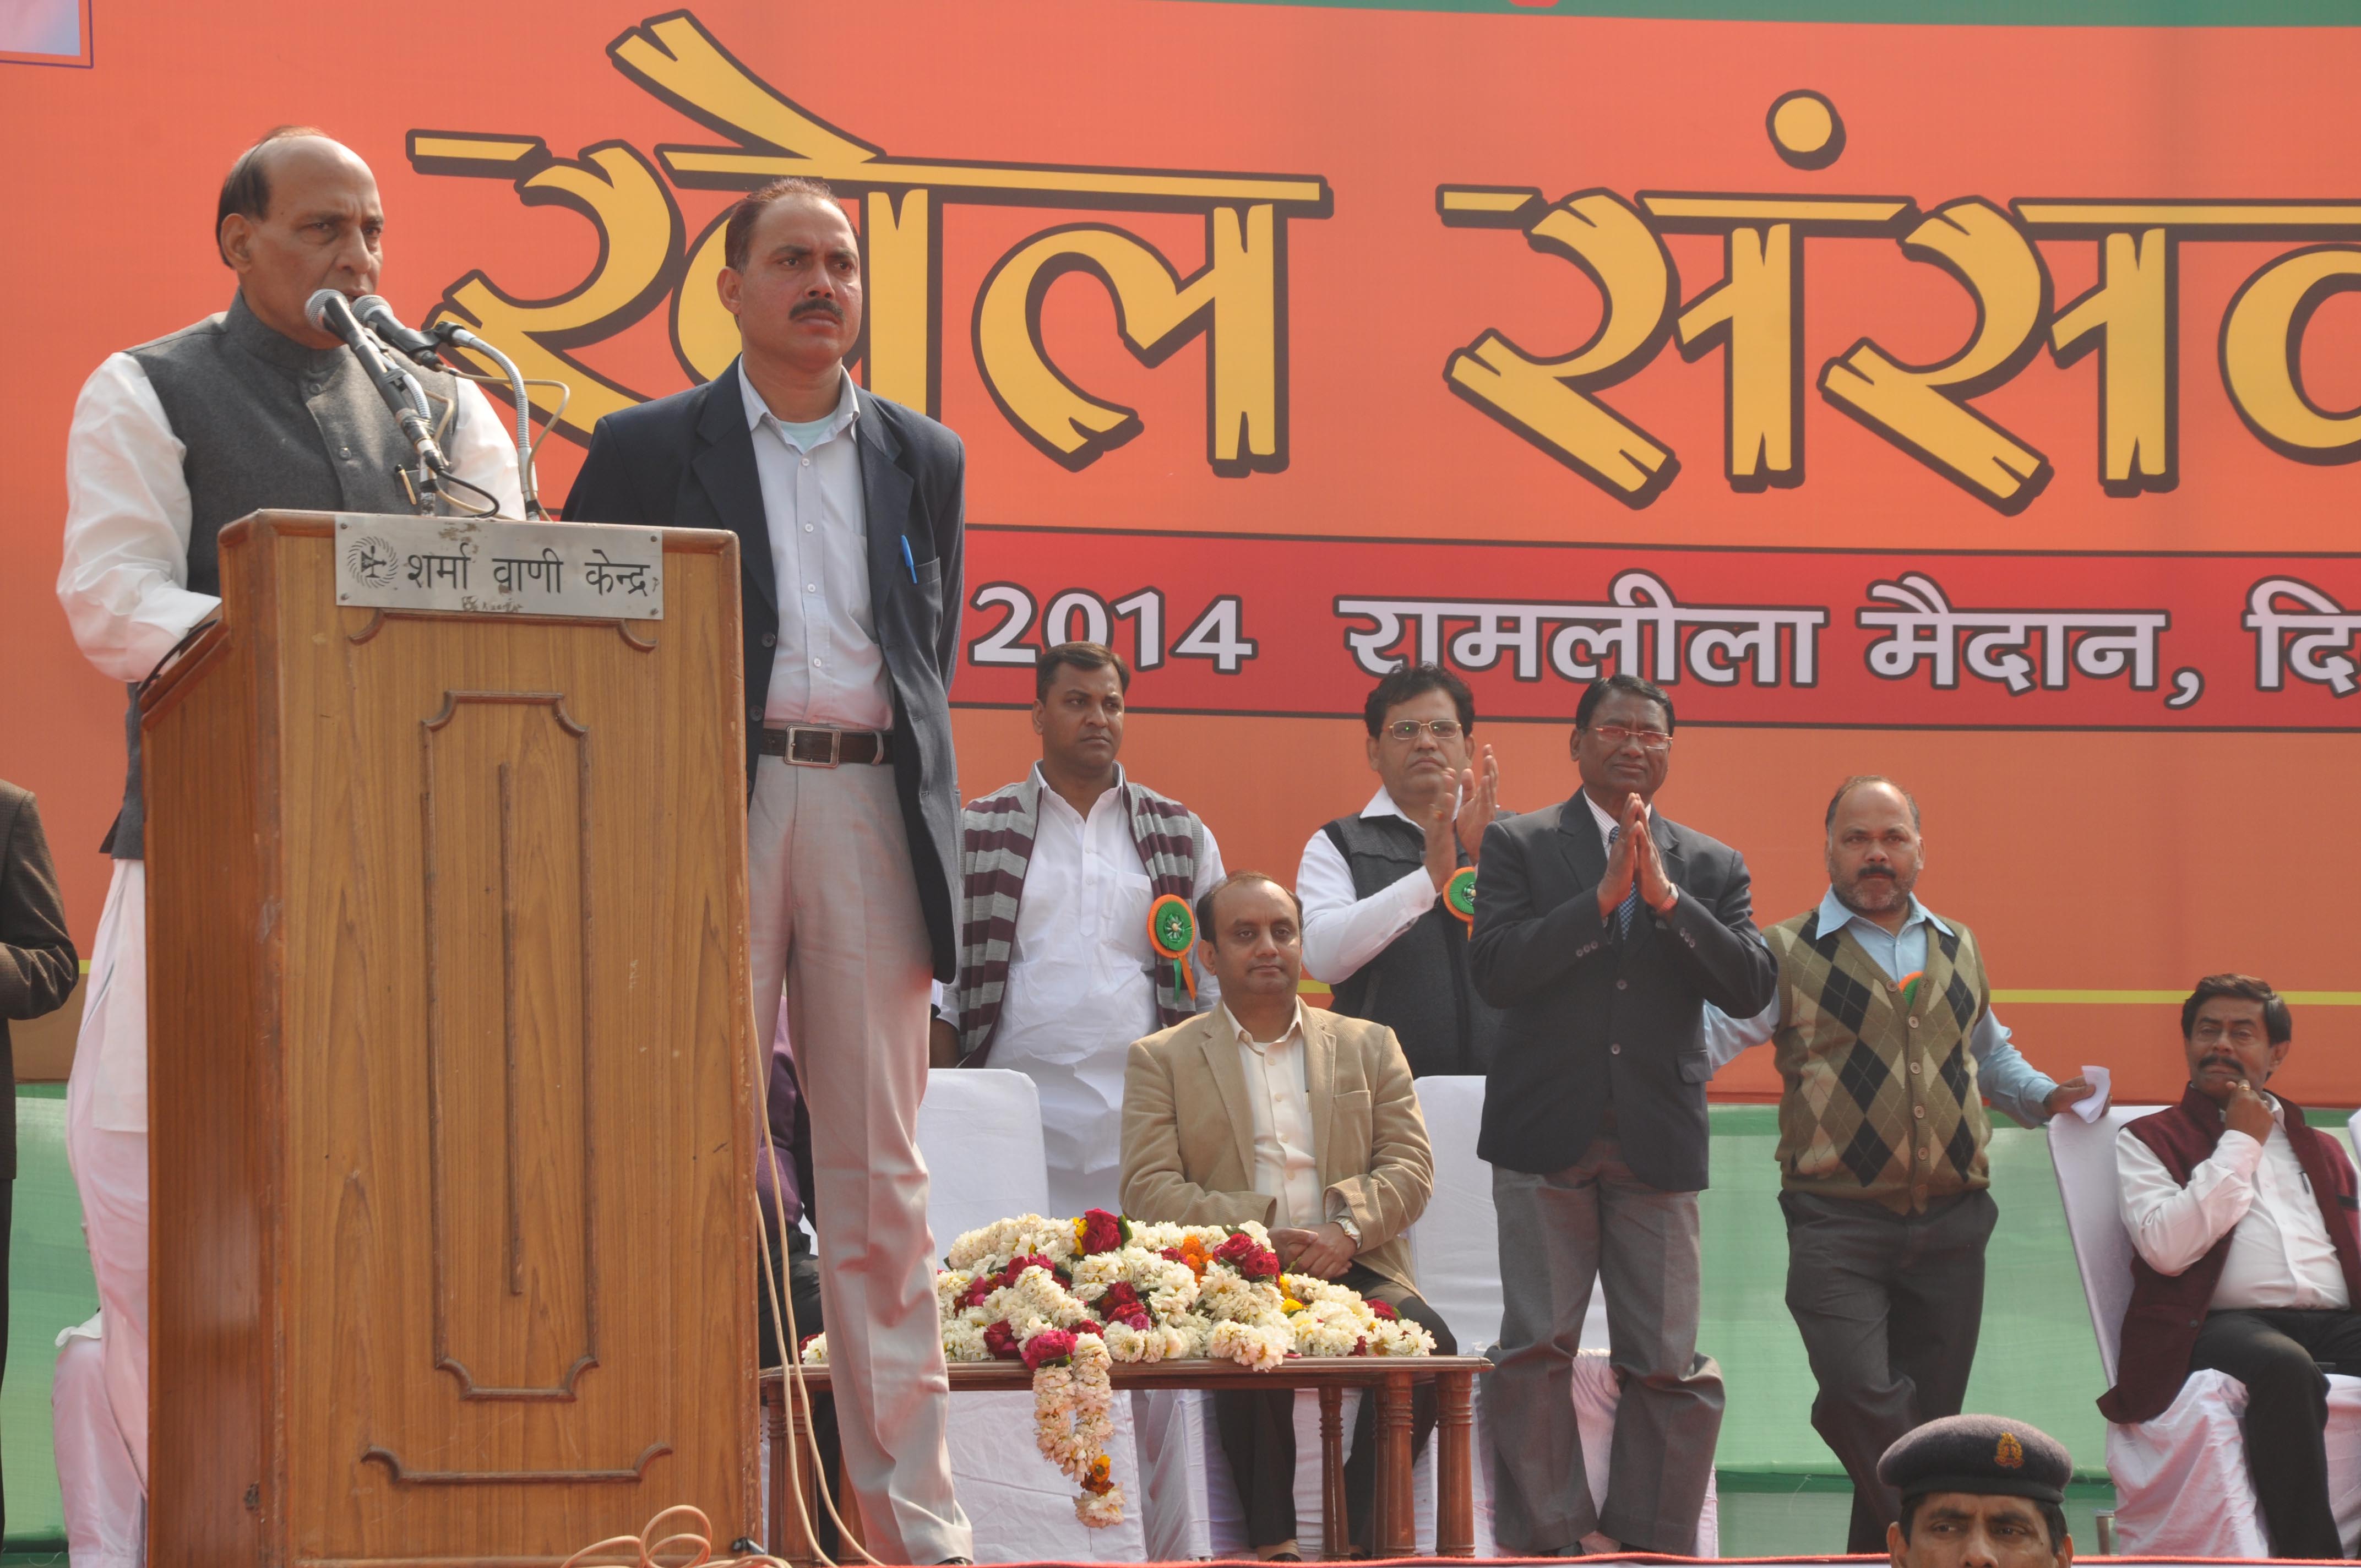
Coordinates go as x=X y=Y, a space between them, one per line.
x=1070 y=1298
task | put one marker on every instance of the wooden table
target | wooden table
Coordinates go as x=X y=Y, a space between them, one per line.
x=1391 y=1377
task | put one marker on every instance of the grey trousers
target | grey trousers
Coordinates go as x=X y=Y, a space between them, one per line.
x=1594 y=1220
x=834 y=917
x=1889 y=1306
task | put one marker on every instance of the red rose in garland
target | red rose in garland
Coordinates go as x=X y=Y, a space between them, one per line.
x=1252 y=1262
x=1001 y=1340
x=1379 y=1308
x=1121 y=1304
x=1049 y=1344
x=1103 y=1231
x=1018 y=1266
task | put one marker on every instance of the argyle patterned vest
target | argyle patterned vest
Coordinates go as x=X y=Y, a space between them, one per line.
x=1880 y=1100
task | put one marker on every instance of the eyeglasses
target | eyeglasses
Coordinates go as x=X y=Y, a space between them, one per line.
x=1408 y=728
x=1616 y=737
x=2208 y=1030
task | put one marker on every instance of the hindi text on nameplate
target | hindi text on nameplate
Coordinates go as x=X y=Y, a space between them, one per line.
x=467 y=566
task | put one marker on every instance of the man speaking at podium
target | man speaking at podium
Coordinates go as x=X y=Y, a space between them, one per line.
x=254 y=408
x=848 y=513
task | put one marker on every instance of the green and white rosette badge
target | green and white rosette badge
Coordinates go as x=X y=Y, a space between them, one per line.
x=1173 y=931
x=1459 y=895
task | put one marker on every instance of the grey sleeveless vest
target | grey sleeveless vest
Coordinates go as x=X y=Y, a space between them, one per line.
x=265 y=422
x=1419 y=987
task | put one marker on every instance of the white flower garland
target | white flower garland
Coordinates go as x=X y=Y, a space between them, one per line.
x=1197 y=1304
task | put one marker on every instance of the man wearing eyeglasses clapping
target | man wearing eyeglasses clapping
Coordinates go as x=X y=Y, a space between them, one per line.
x=1602 y=930
x=1386 y=894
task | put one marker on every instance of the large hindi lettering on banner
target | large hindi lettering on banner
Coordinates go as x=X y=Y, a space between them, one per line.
x=1974 y=403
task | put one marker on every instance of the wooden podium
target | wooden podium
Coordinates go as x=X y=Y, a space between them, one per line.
x=451 y=1086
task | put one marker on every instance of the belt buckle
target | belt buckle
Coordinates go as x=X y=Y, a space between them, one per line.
x=827 y=757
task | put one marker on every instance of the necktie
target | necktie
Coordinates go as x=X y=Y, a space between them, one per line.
x=1629 y=910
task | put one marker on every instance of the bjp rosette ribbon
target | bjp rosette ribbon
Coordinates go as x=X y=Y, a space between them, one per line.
x=1173 y=931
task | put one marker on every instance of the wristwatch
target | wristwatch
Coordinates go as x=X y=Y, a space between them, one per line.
x=1352 y=1231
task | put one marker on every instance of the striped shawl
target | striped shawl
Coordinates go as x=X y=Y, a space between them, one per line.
x=997 y=847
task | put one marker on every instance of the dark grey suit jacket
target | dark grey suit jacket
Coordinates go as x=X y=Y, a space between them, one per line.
x=38 y=964
x=687 y=461
x=1590 y=1016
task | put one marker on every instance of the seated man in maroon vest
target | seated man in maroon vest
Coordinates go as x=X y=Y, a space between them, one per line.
x=2243 y=1220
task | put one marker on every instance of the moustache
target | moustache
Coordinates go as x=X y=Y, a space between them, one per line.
x=816 y=308
x=2219 y=1060
x=1867 y=873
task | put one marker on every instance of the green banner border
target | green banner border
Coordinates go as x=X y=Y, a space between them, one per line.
x=1901 y=13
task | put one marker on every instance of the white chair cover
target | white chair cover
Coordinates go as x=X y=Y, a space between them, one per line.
x=979 y=1131
x=2180 y=1480
x=96 y=1483
x=1456 y=1245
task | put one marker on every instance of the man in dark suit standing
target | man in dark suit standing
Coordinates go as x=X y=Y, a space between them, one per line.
x=1603 y=929
x=848 y=510
x=38 y=969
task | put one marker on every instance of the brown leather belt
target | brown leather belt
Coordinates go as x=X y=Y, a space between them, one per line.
x=817 y=746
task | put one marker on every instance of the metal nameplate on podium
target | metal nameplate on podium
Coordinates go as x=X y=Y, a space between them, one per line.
x=485 y=568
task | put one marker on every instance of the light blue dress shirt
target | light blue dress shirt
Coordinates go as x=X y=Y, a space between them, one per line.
x=2013 y=1084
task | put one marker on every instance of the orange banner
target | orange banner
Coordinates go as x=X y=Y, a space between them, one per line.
x=2008 y=375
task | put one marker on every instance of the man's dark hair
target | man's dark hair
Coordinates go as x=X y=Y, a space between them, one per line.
x=1080 y=656
x=2278 y=1021
x=737 y=234
x=1205 y=900
x=1856 y=781
x=246 y=189
x=1417 y=680
x=1622 y=681
x=2053 y=1518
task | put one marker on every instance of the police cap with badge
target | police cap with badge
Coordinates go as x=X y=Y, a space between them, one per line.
x=1984 y=1455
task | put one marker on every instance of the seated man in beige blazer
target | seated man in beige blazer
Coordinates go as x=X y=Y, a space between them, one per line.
x=1266 y=1110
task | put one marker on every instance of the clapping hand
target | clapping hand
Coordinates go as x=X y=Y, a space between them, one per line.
x=1620 y=860
x=1656 y=889
x=1479 y=799
x=1441 y=847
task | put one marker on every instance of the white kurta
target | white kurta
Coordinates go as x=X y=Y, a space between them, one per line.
x=1081 y=987
x=123 y=582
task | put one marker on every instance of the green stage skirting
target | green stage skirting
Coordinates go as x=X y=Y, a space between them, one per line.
x=49 y=1287
x=2038 y=1361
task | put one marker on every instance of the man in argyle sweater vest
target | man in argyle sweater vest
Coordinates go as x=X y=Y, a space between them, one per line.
x=1061 y=872
x=1883 y=1036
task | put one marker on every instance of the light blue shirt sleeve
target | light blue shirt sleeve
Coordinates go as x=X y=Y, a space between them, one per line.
x=1726 y=1036
x=2013 y=1084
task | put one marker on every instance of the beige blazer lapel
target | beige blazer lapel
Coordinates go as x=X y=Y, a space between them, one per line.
x=1320 y=1086
x=1220 y=1045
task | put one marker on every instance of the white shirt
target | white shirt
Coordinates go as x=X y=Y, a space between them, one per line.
x=1341 y=932
x=1606 y=824
x=1286 y=1167
x=123 y=582
x=124 y=578
x=1082 y=985
x=828 y=667
x=2279 y=1252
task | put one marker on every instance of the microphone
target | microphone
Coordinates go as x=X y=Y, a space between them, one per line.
x=378 y=317
x=332 y=312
